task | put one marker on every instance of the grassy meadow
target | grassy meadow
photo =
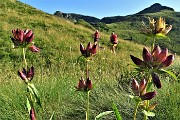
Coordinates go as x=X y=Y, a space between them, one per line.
x=58 y=69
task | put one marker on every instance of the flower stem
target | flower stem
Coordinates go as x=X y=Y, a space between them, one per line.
x=87 y=73
x=24 y=57
x=87 y=109
x=135 y=110
x=153 y=43
x=147 y=105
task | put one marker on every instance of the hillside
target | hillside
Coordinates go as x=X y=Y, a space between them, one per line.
x=128 y=27
x=58 y=70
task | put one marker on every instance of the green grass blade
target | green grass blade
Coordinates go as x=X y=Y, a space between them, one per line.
x=36 y=93
x=28 y=105
x=117 y=114
x=102 y=114
x=52 y=117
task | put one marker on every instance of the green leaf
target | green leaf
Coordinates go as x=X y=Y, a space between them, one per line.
x=28 y=105
x=36 y=93
x=160 y=35
x=102 y=114
x=52 y=116
x=148 y=113
x=170 y=73
x=117 y=114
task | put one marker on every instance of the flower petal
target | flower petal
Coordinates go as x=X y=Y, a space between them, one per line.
x=30 y=73
x=148 y=96
x=29 y=39
x=156 y=51
x=135 y=87
x=89 y=47
x=88 y=84
x=168 y=61
x=81 y=84
x=82 y=49
x=136 y=60
x=94 y=48
x=142 y=86
x=147 y=57
x=22 y=75
x=162 y=56
x=156 y=80
x=34 y=48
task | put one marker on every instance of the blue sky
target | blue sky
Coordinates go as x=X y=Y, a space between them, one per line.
x=99 y=8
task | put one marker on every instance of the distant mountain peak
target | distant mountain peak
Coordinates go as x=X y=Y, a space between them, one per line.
x=155 y=8
x=76 y=17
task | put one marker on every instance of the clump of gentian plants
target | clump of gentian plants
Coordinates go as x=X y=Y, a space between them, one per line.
x=23 y=39
x=85 y=85
x=152 y=66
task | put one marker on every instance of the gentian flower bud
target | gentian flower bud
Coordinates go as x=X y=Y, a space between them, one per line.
x=26 y=75
x=135 y=87
x=136 y=60
x=81 y=84
x=142 y=86
x=88 y=84
x=89 y=47
x=148 y=96
x=22 y=74
x=34 y=48
x=162 y=56
x=168 y=61
x=84 y=85
x=32 y=114
x=147 y=55
x=82 y=49
x=90 y=50
x=156 y=51
x=156 y=80
x=94 y=48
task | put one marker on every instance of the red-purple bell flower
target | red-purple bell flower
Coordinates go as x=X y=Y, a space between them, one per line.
x=90 y=50
x=140 y=90
x=137 y=88
x=26 y=75
x=23 y=38
x=84 y=85
x=155 y=60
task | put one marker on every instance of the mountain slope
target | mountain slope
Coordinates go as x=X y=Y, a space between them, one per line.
x=155 y=8
x=128 y=27
x=76 y=17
